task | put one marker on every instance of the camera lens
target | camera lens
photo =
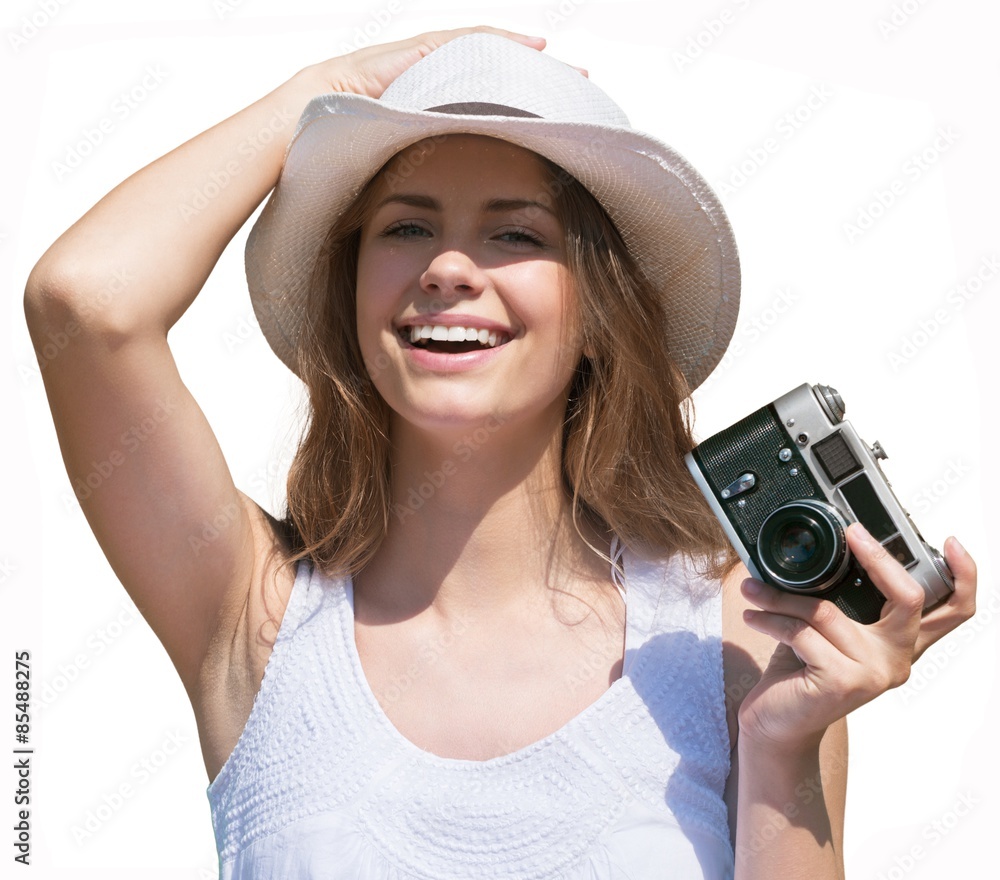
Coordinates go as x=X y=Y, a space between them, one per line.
x=796 y=545
x=801 y=546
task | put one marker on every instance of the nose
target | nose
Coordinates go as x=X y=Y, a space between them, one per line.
x=452 y=274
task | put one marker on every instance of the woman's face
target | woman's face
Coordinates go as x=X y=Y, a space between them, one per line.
x=466 y=311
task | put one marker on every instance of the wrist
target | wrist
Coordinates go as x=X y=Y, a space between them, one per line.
x=311 y=81
x=759 y=746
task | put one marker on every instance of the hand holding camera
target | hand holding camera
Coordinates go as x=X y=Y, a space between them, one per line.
x=806 y=506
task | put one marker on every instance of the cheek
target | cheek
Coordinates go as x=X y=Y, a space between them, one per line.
x=363 y=310
x=373 y=294
x=386 y=273
x=555 y=321
x=368 y=328
x=375 y=355
x=564 y=320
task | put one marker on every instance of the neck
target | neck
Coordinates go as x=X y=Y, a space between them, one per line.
x=480 y=522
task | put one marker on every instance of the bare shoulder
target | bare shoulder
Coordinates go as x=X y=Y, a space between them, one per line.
x=240 y=648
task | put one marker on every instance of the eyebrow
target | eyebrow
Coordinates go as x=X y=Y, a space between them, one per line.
x=414 y=201
x=490 y=206
x=500 y=205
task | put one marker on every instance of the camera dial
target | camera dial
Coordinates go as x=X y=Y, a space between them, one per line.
x=831 y=402
x=802 y=546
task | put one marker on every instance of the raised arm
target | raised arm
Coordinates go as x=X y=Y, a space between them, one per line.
x=145 y=465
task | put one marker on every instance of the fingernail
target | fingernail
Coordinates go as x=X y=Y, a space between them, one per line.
x=752 y=587
x=863 y=534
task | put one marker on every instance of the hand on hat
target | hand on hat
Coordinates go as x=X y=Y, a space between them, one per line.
x=369 y=71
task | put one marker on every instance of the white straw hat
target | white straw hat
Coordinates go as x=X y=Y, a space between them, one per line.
x=671 y=221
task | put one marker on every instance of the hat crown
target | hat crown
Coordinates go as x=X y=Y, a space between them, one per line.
x=507 y=73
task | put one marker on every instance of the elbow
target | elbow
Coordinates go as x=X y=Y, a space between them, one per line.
x=47 y=298
x=61 y=293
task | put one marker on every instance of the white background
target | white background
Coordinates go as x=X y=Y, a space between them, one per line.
x=820 y=108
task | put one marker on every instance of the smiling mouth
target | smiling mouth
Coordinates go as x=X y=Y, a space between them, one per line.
x=452 y=340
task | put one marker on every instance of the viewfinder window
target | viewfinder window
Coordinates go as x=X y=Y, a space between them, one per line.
x=836 y=458
x=860 y=495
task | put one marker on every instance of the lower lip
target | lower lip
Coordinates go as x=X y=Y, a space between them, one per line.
x=440 y=362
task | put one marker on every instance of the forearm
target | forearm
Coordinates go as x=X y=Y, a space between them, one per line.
x=790 y=810
x=163 y=229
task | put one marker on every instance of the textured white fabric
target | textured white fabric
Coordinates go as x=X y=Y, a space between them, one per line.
x=321 y=785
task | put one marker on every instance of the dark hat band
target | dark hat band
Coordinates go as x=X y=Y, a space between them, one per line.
x=481 y=108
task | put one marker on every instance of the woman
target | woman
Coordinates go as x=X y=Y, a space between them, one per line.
x=496 y=362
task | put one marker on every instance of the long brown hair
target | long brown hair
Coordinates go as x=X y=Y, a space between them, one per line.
x=628 y=416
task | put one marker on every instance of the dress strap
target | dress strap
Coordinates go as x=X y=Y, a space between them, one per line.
x=617 y=567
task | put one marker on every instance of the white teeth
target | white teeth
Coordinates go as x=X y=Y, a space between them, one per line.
x=441 y=333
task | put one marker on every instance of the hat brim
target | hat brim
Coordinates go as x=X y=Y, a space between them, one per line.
x=667 y=214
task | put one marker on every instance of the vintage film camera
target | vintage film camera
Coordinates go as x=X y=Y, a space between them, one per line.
x=786 y=481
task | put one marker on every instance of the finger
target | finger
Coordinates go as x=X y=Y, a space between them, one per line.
x=823 y=616
x=804 y=640
x=527 y=40
x=965 y=572
x=960 y=605
x=503 y=32
x=369 y=70
x=439 y=38
x=904 y=596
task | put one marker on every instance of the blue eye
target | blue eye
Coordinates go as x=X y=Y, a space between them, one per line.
x=521 y=236
x=405 y=229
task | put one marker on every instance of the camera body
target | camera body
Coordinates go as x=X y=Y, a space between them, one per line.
x=786 y=481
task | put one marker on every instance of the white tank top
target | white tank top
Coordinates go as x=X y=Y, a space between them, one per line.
x=321 y=785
